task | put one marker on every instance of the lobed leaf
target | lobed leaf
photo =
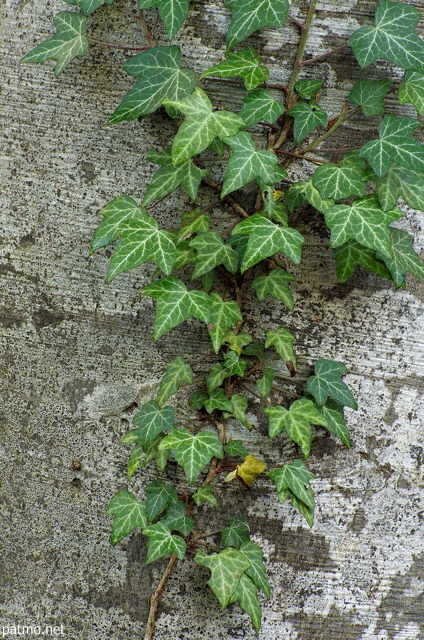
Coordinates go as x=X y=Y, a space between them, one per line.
x=237 y=532
x=399 y=181
x=412 y=90
x=227 y=566
x=260 y=106
x=306 y=116
x=162 y=541
x=244 y=64
x=282 y=341
x=172 y=12
x=192 y=452
x=177 y=372
x=151 y=421
x=128 y=513
x=351 y=254
x=211 y=252
x=326 y=383
x=307 y=87
x=275 y=284
x=117 y=212
x=159 y=496
x=176 y=519
x=370 y=94
x=336 y=423
x=403 y=258
x=223 y=316
x=88 y=6
x=250 y=15
x=205 y=494
x=338 y=182
x=264 y=385
x=239 y=405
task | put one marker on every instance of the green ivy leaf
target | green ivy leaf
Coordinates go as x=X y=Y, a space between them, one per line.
x=88 y=6
x=393 y=37
x=275 y=284
x=298 y=194
x=118 y=211
x=260 y=106
x=351 y=254
x=395 y=145
x=201 y=125
x=326 y=383
x=403 y=258
x=412 y=90
x=207 y=280
x=226 y=566
x=172 y=12
x=307 y=87
x=236 y=341
x=235 y=449
x=67 y=43
x=256 y=349
x=338 y=182
x=234 y=365
x=205 y=494
x=399 y=181
x=267 y=238
x=239 y=405
x=250 y=15
x=363 y=221
x=223 y=316
x=198 y=398
x=370 y=94
x=139 y=458
x=175 y=304
x=297 y=422
x=336 y=423
x=264 y=385
x=192 y=452
x=218 y=400
x=246 y=164
x=159 y=496
x=282 y=341
x=141 y=240
x=161 y=78
x=257 y=570
x=211 y=251
x=169 y=177
x=237 y=532
x=216 y=376
x=177 y=372
x=243 y=64
x=129 y=513
x=191 y=222
x=151 y=421
x=246 y=595
x=293 y=477
x=162 y=541
x=306 y=116
x=176 y=519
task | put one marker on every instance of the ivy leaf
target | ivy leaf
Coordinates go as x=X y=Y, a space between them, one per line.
x=236 y=341
x=169 y=177
x=177 y=372
x=129 y=513
x=267 y=238
x=307 y=87
x=227 y=566
x=260 y=106
x=139 y=458
x=336 y=423
x=306 y=116
x=246 y=595
x=88 y=6
x=239 y=405
x=326 y=383
x=141 y=240
x=275 y=284
x=159 y=496
x=235 y=449
x=151 y=421
x=395 y=145
x=297 y=194
x=118 y=211
x=192 y=452
x=243 y=64
x=297 y=422
x=234 y=365
x=248 y=471
x=293 y=477
x=223 y=316
x=264 y=385
x=250 y=15
x=176 y=519
x=398 y=181
x=351 y=254
x=403 y=258
x=198 y=399
x=363 y=221
x=162 y=541
x=211 y=251
x=412 y=90
x=201 y=125
x=218 y=400
x=257 y=570
x=161 y=78
x=175 y=304
x=216 y=376
x=205 y=494
x=191 y=222
x=246 y=164
x=282 y=341
x=237 y=532
x=338 y=182
x=256 y=349
x=370 y=94
x=207 y=280
x=67 y=43
x=172 y=12
x=393 y=37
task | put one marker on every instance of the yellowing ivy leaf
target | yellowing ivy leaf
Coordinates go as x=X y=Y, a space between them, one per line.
x=248 y=471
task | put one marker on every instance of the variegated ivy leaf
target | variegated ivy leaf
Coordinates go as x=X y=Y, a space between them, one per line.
x=201 y=125
x=237 y=532
x=169 y=177
x=393 y=37
x=246 y=164
x=172 y=12
x=88 y=6
x=307 y=512
x=246 y=595
x=129 y=513
x=198 y=398
x=370 y=94
x=161 y=77
x=204 y=494
x=191 y=222
x=216 y=376
x=244 y=64
x=293 y=477
x=151 y=421
x=118 y=211
x=275 y=284
x=326 y=383
x=139 y=458
x=162 y=541
x=398 y=181
x=257 y=570
x=351 y=254
x=233 y=363
x=191 y=451
x=307 y=87
x=260 y=106
x=300 y=193
x=339 y=182
x=267 y=238
x=207 y=280
x=250 y=15
x=296 y=421
x=306 y=116
x=176 y=519
x=363 y=221
x=235 y=449
x=177 y=372
x=223 y=316
x=211 y=252
x=218 y=400
x=239 y=405
x=141 y=240
x=412 y=90
x=236 y=341
x=395 y=145
x=227 y=566
x=264 y=384
x=68 y=42
x=159 y=496
x=336 y=422
x=175 y=304
x=403 y=258
x=282 y=341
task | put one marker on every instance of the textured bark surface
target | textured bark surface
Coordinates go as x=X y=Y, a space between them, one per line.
x=76 y=355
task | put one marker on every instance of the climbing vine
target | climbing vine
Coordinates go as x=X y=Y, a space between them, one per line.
x=207 y=266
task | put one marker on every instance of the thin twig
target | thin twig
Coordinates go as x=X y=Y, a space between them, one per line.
x=155 y=599
x=118 y=46
x=324 y=55
x=237 y=208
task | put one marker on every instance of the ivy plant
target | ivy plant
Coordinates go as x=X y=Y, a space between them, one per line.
x=202 y=259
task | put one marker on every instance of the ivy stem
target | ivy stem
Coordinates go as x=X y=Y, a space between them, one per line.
x=118 y=46
x=155 y=599
x=300 y=52
x=302 y=157
x=146 y=30
x=342 y=117
x=217 y=187
x=324 y=55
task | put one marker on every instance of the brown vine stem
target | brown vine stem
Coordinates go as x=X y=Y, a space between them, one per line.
x=237 y=208
x=300 y=52
x=118 y=46
x=323 y=55
x=342 y=117
x=302 y=157
x=155 y=599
